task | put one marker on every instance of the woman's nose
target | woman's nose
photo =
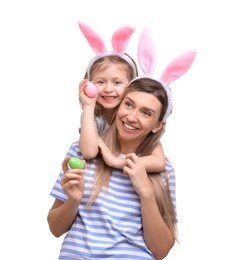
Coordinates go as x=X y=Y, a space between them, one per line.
x=132 y=116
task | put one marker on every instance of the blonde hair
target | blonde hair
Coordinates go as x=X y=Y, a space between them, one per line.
x=110 y=137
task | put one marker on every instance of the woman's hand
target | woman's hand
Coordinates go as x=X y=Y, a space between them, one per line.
x=138 y=175
x=72 y=181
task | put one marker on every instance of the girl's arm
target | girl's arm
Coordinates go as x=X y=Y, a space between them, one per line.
x=156 y=161
x=88 y=144
x=109 y=158
x=62 y=214
x=152 y=163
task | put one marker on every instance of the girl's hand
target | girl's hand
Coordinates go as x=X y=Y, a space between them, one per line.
x=138 y=175
x=109 y=158
x=83 y=98
x=72 y=181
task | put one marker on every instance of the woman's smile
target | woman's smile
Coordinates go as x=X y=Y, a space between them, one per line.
x=129 y=127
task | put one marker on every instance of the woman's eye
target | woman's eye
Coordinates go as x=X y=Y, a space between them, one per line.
x=147 y=114
x=127 y=104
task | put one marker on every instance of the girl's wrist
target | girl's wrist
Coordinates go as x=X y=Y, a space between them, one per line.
x=89 y=106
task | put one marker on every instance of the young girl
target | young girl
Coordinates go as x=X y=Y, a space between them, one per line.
x=111 y=72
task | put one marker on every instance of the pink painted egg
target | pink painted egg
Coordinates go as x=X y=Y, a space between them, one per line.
x=90 y=90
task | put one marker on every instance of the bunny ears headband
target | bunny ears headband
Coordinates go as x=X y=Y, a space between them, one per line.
x=174 y=70
x=119 y=41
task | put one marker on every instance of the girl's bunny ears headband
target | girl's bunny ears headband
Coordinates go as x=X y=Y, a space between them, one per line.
x=119 y=41
x=174 y=70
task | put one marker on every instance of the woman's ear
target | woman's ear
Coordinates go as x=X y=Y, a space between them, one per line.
x=160 y=125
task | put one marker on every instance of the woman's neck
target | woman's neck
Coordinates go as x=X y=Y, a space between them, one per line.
x=128 y=147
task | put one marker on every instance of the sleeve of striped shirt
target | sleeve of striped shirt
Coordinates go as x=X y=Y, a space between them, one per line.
x=57 y=191
x=172 y=184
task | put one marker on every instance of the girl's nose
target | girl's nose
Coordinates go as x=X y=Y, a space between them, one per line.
x=108 y=87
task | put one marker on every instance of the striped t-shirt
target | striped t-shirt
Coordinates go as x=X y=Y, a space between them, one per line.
x=111 y=228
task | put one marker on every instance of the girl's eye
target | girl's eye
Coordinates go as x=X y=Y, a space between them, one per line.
x=100 y=82
x=117 y=82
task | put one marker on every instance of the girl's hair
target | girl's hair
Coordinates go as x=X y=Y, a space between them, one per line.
x=158 y=180
x=103 y=62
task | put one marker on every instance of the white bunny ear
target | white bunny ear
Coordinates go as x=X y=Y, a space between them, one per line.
x=176 y=68
x=146 y=53
x=121 y=37
x=93 y=38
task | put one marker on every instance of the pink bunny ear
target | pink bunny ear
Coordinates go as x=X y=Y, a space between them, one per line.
x=93 y=38
x=146 y=53
x=121 y=37
x=178 y=67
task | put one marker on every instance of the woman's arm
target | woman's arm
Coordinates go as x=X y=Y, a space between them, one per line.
x=88 y=144
x=157 y=235
x=62 y=214
x=156 y=161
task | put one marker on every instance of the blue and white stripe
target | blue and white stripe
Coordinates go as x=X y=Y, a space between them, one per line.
x=111 y=228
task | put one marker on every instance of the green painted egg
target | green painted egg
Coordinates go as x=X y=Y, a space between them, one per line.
x=75 y=163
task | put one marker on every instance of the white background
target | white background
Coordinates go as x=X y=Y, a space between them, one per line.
x=43 y=56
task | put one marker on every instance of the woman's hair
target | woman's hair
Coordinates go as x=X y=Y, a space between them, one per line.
x=103 y=62
x=158 y=180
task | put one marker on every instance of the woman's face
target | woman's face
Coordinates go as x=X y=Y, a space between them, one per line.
x=138 y=115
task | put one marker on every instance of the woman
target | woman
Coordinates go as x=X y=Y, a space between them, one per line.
x=109 y=213
x=114 y=214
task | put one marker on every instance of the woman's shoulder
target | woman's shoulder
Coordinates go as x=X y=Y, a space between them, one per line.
x=169 y=166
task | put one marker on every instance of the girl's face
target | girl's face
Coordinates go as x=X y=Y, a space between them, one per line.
x=111 y=80
x=138 y=115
